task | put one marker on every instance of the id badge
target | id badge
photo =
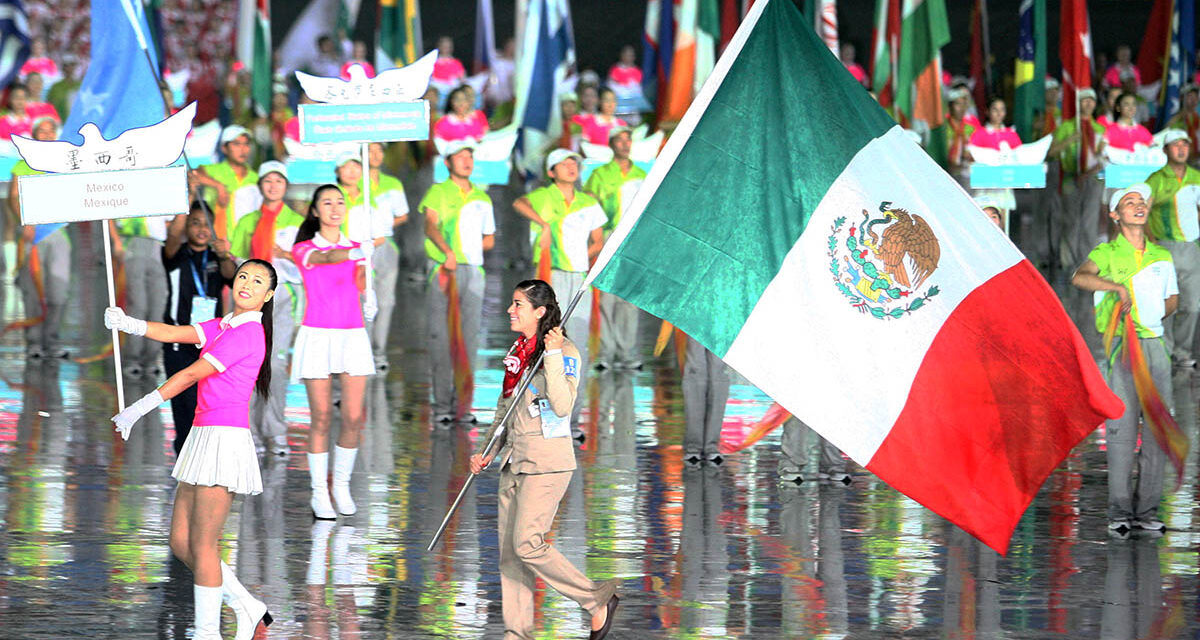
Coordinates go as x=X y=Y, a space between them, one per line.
x=203 y=309
x=553 y=425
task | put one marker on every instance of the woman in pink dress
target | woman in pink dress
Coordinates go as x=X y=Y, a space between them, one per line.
x=218 y=458
x=994 y=134
x=17 y=120
x=595 y=128
x=625 y=73
x=1124 y=132
x=463 y=121
x=332 y=340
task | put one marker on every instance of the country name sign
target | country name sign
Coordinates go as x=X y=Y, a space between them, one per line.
x=76 y=197
x=364 y=122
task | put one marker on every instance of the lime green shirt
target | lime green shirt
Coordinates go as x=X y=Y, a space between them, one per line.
x=570 y=226
x=1173 y=214
x=1069 y=156
x=614 y=189
x=464 y=218
x=238 y=191
x=1149 y=275
x=241 y=242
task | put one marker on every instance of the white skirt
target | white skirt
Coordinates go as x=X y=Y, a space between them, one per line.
x=219 y=456
x=319 y=353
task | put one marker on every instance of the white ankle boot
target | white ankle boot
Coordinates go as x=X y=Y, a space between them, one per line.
x=343 y=466
x=248 y=609
x=208 y=612
x=318 y=474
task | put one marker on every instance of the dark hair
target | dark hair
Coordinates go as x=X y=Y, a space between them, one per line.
x=457 y=90
x=263 y=384
x=541 y=294
x=1117 y=103
x=603 y=90
x=312 y=224
x=200 y=205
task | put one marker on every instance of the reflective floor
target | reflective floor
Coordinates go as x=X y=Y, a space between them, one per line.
x=714 y=552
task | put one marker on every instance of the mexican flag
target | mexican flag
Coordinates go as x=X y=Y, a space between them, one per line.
x=792 y=228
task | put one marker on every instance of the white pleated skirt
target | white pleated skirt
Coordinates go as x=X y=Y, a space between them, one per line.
x=219 y=456
x=319 y=353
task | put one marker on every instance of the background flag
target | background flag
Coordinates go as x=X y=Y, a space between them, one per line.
x=678 y=94
x=485 y=37
x=1029 y=78
x=1155 y=46
x=1075 y=50
x=254 y=50
x=924 y=30
x=400 y=30
x=1180 y=62
x=546 y=57
x=885 y=50
x=14 y=39
x=981 y=56
x=827 y=25
x=793 y=229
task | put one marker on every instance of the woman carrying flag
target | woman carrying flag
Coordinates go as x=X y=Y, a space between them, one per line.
x=537 y=460
x=218 y=458
x=332 y=340
x=1135 y=284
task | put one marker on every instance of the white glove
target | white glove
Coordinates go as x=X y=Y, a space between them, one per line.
x=368 y=248
x=134 y=412
x=370 y=306
x=115 y=318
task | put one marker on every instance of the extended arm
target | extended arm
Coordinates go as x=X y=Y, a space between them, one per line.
x=1087 y=277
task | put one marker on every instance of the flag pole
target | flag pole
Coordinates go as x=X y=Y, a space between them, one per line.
x=491 y=443
x=112 y=302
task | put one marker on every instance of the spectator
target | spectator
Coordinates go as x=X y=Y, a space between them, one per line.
x=16 y=119
x=39 y=62
x=462 y=122
x=848 y=55
x=328 y=62
x=358 y=56
x=448 y=72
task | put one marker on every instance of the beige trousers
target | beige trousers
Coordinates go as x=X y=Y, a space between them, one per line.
x=528 y=503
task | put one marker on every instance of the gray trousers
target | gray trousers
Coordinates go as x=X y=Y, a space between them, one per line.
x=54 y=260
x=1081 y=219
x=1181 y=328
x=145 y=296
x=565 y=284
x=618 y=330
x=796 y=438
x=1128 y=499
x=705 y=390
x=386 y=262
x=266 y=416
x=1047 y=217
x=470 y=281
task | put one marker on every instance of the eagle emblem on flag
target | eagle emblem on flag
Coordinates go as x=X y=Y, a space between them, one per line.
x=882 y=263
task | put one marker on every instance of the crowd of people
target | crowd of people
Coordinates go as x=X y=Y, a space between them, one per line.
x=224 y=286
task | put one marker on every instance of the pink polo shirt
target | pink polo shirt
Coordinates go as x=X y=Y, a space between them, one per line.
x=1120 y=136
x=451 y=127
x=235 y=346
x=625 y=76
x=447 y=70
x=594 y=130
x=332 y=289
x=991 y=138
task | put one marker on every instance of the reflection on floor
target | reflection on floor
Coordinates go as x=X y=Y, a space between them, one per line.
x=709 y=552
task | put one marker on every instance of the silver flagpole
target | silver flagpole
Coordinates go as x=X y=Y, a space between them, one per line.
x=491 y=443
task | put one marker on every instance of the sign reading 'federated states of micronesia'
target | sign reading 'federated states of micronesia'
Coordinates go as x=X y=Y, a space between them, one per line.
x=364 y=122
x=129 y=193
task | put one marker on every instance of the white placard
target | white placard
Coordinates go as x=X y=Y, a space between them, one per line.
x=75 y=197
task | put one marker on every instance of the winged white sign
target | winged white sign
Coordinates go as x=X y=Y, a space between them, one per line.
x=157 y=145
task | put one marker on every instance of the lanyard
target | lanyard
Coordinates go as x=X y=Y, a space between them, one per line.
x=201 y=285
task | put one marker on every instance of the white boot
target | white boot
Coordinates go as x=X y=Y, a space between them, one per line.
x=249 y=610
x=343 y=466
x=318 y=565
x=208 y=612
x=318 y=474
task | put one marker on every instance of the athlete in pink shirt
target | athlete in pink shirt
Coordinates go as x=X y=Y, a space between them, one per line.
x=1125 y=133
x=595 y=128
x=331 y=340
x=218 y=459
x=463 y=121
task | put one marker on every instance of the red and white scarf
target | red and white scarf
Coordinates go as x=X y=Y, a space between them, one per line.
x=517 y=361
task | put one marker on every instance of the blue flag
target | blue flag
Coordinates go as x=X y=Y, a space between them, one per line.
x=547 y=56
x=120 y=90
x=14 y=39
x=1180 y=64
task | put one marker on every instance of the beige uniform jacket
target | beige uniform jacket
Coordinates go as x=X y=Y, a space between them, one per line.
x=525 y=450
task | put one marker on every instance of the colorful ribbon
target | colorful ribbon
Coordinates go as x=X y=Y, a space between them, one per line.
x=594 y=325
x=771 y=420
x=544 y=265
x=464 y=379
x=1157 y=416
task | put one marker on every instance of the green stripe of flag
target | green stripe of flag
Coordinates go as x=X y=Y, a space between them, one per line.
x=784 y=122
x=924 y=31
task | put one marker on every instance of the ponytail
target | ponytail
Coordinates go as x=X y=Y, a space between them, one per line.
x=541 y=294
x=263 y=384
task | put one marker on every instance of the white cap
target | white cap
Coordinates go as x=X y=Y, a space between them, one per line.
x=1052 y=83
x=272 y=166
x=1086 y=92
x=1174 y=135
x=231 y=133
x=987 y=202
x=1189 y=87
x=612 y=133
x=347 y=157
x=558 y=155
x=955 y=94
x=454 y=146
x=1140 y=188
